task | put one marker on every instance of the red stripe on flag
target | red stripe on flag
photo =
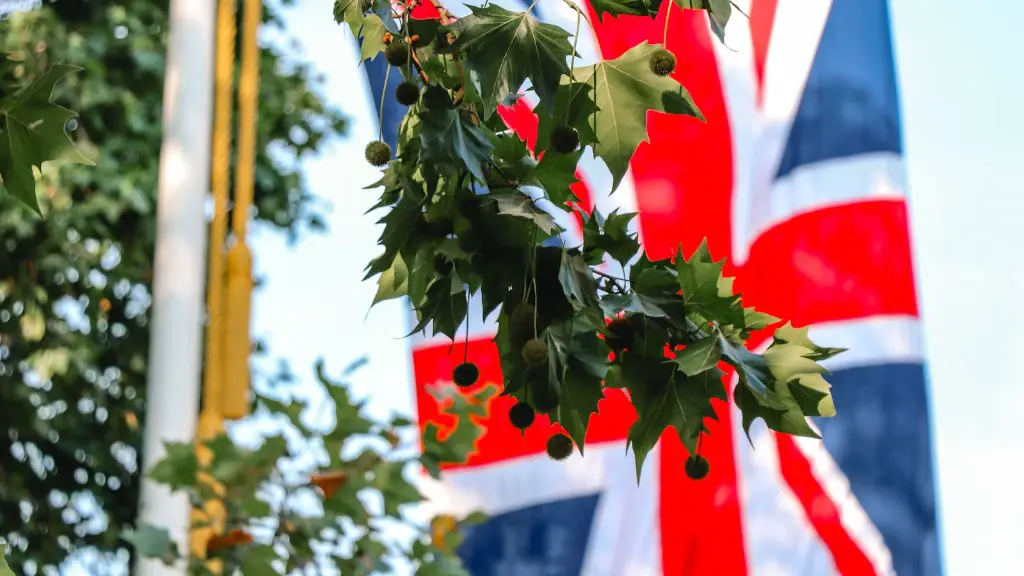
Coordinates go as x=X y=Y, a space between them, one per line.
x=683 y=182
x=701 y=526
x=820 y=509
x=762 y=20
x=838 y=263
x=683 y=175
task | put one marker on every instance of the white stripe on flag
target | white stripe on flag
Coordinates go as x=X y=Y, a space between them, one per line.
x=606 y=470
x=796 y=31
x=852 y=516
x=871 y=341
x=778 y=538
x=834 y=182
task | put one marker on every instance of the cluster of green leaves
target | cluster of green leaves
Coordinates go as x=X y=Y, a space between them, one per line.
x=463 y=219
x=75 y=285
x=271 y=525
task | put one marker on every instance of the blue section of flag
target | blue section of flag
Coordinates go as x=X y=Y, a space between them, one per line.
x=547 y=539
x=850 y=104
x=881 y=439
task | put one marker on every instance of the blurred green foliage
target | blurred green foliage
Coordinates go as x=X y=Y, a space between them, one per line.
x=74 y=287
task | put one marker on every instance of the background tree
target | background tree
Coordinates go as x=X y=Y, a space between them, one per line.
x=329 y=495
x=74 y=287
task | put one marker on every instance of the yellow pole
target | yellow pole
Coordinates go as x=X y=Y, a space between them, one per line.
x=211 y=421
x=238 y=343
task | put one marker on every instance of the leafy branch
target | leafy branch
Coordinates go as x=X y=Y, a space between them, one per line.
x=469 y=213
x=279 y=512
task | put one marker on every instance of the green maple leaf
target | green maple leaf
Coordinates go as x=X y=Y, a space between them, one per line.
x=574 y=106
x=610 y=235
x=33 y=131
x=754 y=320
x=625 y=89
x=664 y=397
x=349 y=12
x=505 y=48
x=396 y=491
x=393 y=282
x=522 y=206
x=5 y=570
x=783 y=386
x=178 y=468
x=513 y=157
x=800 y=379
x=258 y=559
x=399 y=227
x=444 y=306
x=578 y=364
x=704 y=292
x=752 y=369
x=555 y=174
x=371 y=35
x=653 y=294
x=719 y=12
x=798 y=336
x=448 y=137
x=458 y=442
x=152 y=542
x=578 y=281
x=627 y=7
x=704 y=354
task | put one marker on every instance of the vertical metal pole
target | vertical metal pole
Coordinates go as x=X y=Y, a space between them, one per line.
x=180 y=264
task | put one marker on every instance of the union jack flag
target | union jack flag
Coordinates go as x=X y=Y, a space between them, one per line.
x=797 y=177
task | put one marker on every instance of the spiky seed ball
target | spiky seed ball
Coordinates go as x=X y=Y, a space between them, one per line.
x=465 y=374
x=397 y=53
x=535 y=352
x=559 y=447
x=544 y=396
x=662 y=62
x=620 y=334
x=434 y=225
x=522 y=318
x=697 y=467
x=469 y=241
x=441 y=264
x=407 y=93
x=521 y=415
x=468 y=203
x=737 y=397
x=564 y=139
x=378 y=153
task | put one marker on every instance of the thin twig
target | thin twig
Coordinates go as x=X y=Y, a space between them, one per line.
x=419 y=67
x=610 y=277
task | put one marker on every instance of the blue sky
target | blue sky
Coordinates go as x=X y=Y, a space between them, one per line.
x=964 y=141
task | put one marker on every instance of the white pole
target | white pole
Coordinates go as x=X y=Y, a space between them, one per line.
x=179 y=269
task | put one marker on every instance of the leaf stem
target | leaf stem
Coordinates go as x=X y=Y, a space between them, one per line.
x=615 y=279
x=383 y=97
x=575 y=41
x=664 y=37
x=419 y=67
x=465 y=347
